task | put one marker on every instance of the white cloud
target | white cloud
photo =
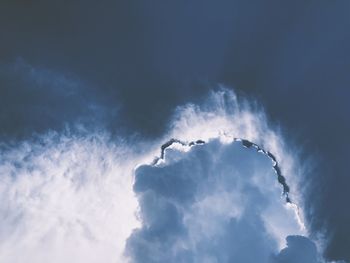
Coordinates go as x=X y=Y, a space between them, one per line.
x=224 y=116
x=65 y=199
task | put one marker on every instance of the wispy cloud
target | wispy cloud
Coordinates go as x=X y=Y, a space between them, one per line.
x=64 y=198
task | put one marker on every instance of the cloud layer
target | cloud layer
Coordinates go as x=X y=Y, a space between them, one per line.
x=72 y=195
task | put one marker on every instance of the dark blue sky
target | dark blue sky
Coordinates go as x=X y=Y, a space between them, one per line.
x=125 y=65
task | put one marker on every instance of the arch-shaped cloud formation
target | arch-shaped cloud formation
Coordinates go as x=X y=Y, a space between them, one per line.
x=248 y=144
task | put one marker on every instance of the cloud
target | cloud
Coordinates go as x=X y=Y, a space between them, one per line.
x=223 y=115
x=299 y=249
x=190 y=214
x=72 y=194
x=65 y=198
x=217 y=202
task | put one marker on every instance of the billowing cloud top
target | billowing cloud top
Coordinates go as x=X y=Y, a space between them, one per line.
x=214 y=202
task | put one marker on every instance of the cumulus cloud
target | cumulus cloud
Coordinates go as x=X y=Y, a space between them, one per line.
x=200 y=204
x=218 y=202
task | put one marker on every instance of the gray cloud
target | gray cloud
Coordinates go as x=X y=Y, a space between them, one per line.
x=216 y=203
x=172 y=189
x=299 y=249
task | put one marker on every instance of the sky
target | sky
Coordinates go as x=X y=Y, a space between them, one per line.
x=90 y=91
